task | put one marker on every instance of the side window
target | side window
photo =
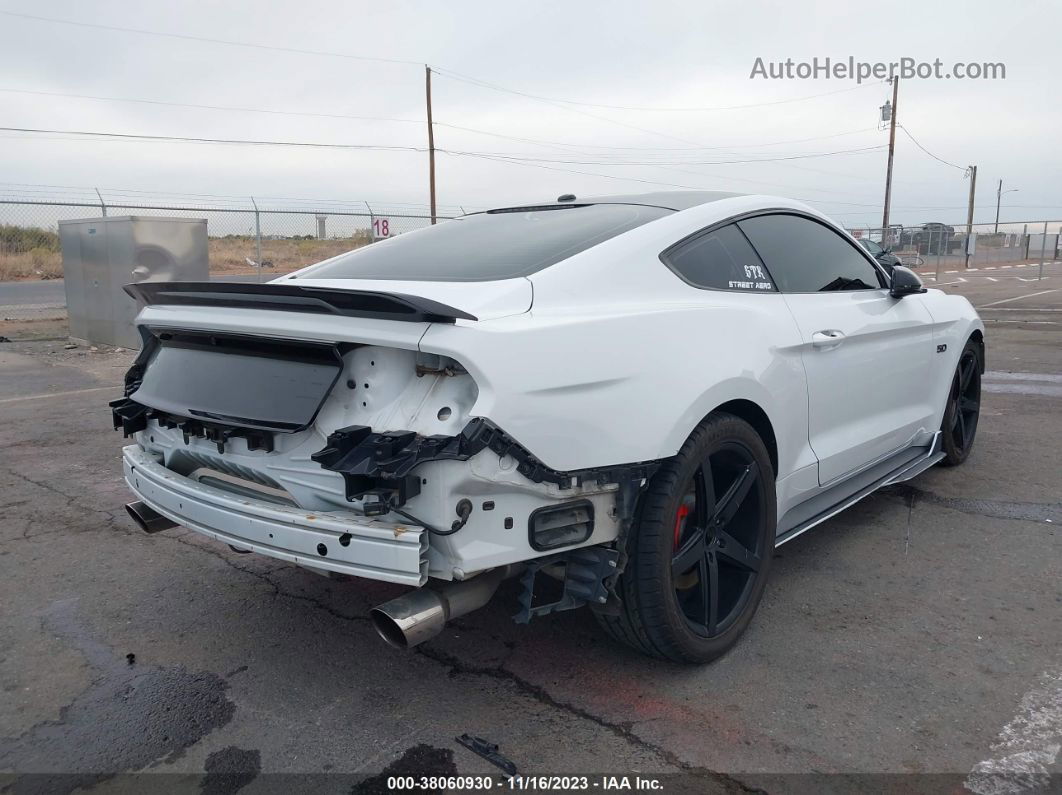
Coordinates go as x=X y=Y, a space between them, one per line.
x=722 y=260
x=807 y=257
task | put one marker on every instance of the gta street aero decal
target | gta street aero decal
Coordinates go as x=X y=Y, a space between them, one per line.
x=756 y=278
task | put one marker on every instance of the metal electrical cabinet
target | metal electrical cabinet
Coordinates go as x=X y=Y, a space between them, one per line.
x=102 y=255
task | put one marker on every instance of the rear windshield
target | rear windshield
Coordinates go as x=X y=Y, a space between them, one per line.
x=500 y=244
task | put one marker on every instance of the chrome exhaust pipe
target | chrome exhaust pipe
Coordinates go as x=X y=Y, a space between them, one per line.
x=420 y=615
x=148 y=519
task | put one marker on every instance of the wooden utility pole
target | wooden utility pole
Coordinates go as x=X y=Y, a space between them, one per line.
x=892 y=151
x=431 y=141
x=969 y=213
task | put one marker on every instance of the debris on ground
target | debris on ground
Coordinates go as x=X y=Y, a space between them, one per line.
x=488 y=751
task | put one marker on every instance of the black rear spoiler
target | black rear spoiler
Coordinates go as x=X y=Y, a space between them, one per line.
x=295 y=298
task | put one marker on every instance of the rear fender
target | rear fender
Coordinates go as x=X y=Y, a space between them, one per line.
x=597 y=390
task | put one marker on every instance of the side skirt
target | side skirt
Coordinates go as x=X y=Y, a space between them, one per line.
x=903 y=466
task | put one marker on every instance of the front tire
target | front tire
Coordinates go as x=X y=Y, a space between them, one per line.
x=700 y=548
x=959 y=426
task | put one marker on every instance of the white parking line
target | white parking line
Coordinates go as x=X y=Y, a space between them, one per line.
x=59 y=394
x=1023 y=389
x=991 y=279
x=951 y=271
x=1027 y=746
x=999 y=375
x=991 y=269
x=1018 y=298
x=1022 y=309
x=1024 y=322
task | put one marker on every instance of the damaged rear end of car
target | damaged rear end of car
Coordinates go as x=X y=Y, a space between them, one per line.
x=310 y=424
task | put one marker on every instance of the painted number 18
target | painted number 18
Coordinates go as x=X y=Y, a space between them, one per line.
x=381 y=227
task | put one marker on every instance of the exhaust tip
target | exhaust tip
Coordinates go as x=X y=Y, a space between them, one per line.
x=422 y=614
x=148 y=519
x=410 y=619
x=387 y=629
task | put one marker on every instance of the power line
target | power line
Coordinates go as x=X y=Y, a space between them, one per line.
x=493 y=86
x=388 y=147
x=622 y=179
x=684 y=162
x=568 y=107
x=210 y=107
x=36 y=190
x=344 y=116
x=209 y=40
x=562 y=104
x=656 y=148
x=940 y=159
x=237 y=141
x=497 y=157
x=409 y=62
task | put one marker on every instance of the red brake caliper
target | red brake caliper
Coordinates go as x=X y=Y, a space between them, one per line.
x=683 y=512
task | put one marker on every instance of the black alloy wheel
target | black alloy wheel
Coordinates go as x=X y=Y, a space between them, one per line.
x=700 y=548
x=964 y=407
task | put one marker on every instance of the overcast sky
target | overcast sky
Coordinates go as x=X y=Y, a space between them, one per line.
x=646 y=55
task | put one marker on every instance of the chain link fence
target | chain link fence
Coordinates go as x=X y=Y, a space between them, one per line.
x=950 y=247
x=266 y=241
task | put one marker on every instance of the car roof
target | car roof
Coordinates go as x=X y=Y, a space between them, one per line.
x=667 y=199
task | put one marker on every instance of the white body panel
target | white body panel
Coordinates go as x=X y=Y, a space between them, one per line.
x=867 y=357
x=605 y=358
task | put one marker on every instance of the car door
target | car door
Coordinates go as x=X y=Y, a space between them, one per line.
x=867 y=355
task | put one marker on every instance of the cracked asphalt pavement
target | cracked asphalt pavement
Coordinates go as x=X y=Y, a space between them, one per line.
x=900 y=637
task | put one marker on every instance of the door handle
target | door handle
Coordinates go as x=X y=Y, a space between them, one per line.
x=829 y=338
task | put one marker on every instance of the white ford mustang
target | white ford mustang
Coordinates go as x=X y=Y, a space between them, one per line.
x=626 y=402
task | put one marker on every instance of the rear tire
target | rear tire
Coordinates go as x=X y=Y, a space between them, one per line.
x=963 y=409
x=700 y=547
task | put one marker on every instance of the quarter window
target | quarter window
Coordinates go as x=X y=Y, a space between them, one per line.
x=721 y=260
x=805 y=256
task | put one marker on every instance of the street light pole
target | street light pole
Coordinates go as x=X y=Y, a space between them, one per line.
x=999 y=197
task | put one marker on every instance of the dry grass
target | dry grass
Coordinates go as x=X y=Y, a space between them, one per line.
x=227 y=255
x=38 y=263
x=230 y=254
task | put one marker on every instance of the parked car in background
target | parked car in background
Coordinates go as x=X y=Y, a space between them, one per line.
x=630 y=400
x=884 y=256
x=933 y=238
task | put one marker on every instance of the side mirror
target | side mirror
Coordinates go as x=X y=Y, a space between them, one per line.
x=904 y=282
